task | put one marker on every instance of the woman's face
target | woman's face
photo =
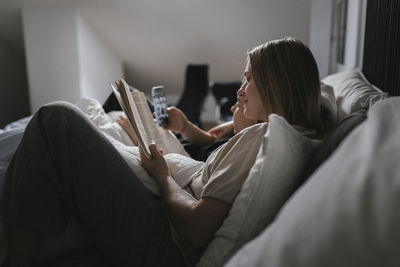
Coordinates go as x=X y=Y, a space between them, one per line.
x=248 y=94
x=239 y=120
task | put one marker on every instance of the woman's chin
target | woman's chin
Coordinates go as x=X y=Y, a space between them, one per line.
x=255 y=117
x=248 y=115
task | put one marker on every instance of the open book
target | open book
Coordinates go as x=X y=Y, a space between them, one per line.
x=135 y=106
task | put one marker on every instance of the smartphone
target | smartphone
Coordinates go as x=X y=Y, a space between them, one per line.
x=160 y=105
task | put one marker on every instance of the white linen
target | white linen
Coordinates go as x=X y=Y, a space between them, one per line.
x=347 y=214
x=19 y=124
x=95 y=112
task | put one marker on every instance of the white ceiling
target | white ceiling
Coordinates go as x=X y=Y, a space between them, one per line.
x=157 y=38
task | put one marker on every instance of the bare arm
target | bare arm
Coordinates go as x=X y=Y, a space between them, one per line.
x=126 y=126
x=180 y=124
x=221 y=130
x=196 y=135
x=196 y=220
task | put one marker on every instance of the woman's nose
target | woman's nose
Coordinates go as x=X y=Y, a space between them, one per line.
x=240 y=92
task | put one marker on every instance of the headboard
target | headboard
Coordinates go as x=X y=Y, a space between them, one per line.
x=381 y=59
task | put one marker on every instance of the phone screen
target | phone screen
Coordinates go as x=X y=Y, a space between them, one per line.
x=160 y=105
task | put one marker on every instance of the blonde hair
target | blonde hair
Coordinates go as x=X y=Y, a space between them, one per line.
x=287 y=78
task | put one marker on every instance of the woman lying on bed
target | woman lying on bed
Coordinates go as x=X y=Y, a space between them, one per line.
x=64 y=167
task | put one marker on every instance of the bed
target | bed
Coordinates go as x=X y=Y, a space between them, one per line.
x=264 y=193
x=340 y=205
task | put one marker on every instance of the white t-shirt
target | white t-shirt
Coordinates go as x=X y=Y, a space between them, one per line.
x=225 y=170
x=220 y=177
x=223 y=174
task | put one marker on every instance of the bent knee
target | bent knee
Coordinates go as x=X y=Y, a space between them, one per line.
x=58 y=111
x=59 y=105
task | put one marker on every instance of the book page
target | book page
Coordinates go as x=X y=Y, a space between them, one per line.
x=149 y=124
x=134 y=117
x=119 y=98
x=173 y=145
x=124 y=108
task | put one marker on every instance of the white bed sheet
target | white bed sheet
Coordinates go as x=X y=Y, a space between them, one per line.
x=10 y=137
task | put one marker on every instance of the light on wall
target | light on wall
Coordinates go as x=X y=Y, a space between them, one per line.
x=341 y=25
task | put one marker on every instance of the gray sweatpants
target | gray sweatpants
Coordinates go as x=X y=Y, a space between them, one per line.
x=64 y=166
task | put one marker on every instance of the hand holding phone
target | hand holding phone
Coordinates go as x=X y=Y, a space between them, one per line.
x=160 y=105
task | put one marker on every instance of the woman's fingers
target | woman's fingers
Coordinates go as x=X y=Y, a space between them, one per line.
x=154 y=151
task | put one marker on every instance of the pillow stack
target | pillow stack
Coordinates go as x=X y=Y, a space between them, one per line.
x=353 y=92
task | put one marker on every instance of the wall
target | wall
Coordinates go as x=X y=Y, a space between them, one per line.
x=98 y=63
x=158 y=39
x=14 y=101
x=323 y=35
x=320 y=34
x=52 y=55
x=66 y=59
x=356 y=14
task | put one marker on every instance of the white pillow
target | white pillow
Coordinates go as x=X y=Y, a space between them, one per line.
x=353 y=91
x=269 y=184
x=95 y=112
x=328 y=100
x=347 y=213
